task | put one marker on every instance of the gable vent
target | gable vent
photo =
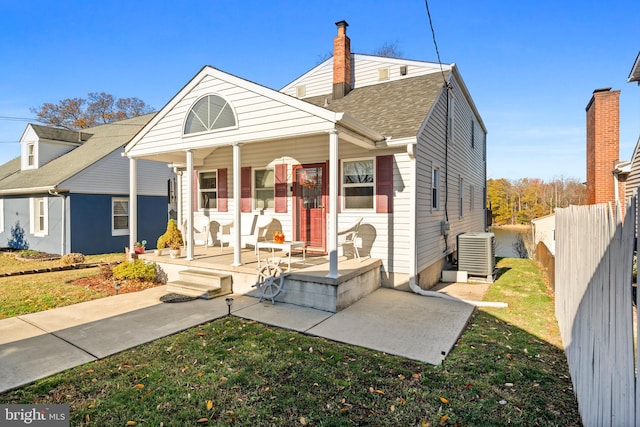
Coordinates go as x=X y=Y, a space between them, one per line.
x=301 y=91
x=383 y=74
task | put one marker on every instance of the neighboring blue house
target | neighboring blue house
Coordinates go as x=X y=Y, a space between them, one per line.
x=69 y=191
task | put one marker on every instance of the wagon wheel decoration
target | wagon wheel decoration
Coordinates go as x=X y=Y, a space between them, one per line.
x=270 y=280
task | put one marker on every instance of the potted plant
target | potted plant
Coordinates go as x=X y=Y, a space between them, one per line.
x=174 y=249
x=171 y=238
x=138 y=247
x=159 y=247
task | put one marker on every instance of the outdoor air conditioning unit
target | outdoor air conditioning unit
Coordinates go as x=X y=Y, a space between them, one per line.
x=477 y=254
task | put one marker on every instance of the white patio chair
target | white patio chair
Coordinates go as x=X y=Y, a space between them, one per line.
x=201 y=230
x=259 y=234
x=347 y=236
x=225 y=228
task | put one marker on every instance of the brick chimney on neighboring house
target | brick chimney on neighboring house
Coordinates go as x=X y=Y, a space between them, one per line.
x=341 y=62
x=603 y=146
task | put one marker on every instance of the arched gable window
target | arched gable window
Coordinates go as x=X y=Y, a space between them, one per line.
x=209 y=113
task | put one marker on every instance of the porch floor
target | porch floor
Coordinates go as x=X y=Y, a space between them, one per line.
x=306 y=284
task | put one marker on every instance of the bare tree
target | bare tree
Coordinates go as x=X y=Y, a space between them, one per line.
x=389 y=49
x=100 y=108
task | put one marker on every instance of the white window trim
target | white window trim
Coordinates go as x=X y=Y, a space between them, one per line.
x=343 y=196
x=119 y=232
x=254 y=189
x=435 y=170
x=31 y=156
x=200 y=190
x=35 y=213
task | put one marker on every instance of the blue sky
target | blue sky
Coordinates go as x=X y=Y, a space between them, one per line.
x=531 y=67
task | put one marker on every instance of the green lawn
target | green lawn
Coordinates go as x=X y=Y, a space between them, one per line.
x=505 y=370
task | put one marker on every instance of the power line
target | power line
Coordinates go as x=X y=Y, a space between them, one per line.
x=433 y=36
x=21 y=119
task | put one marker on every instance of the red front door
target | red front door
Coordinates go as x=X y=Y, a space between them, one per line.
x=309 y=216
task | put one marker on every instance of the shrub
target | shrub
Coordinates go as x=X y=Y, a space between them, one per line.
x=136 y=269
x=171 y=237
x=106 y=271
x=72 y=258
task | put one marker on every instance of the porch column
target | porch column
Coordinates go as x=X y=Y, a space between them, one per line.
x=133 y=203
x=188 y=239
x=333 y=204
x=237 y=249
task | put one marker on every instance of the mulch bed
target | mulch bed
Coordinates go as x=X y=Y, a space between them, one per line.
x=101 y=284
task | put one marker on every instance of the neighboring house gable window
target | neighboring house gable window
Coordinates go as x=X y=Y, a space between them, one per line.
x=435 y=188
x=31 y=154
x=358 y=184
x=119 y=216
x=210 y=113
x=39 y=216
x=208 y=190
x=263 y=187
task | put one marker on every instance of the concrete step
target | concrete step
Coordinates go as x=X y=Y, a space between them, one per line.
x=201 y=284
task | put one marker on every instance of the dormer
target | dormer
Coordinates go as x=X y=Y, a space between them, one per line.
x=41 y=144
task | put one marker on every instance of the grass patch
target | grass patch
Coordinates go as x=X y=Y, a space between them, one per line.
x=37 y=292
x=237 y=372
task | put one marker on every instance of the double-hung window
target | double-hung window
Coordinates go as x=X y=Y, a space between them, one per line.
x=358 y=184
x=263 y=188
x=461 y=196
x=39 y=216
x=208 y=190
x=31 y=154
x=119 y=216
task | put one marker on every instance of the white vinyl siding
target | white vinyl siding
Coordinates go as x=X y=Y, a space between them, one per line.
x=260 y=117
x=39 y=216
x=365 y=71
x=110 y=175
x=455 y=161
x=119 y=216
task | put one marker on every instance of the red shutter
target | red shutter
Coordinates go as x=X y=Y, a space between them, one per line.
x=223 y=205
x=281 y=188
x=384 y=184
x=194 y=183
x=245 y=189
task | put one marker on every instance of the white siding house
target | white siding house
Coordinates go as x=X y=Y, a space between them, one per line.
x=366 y=147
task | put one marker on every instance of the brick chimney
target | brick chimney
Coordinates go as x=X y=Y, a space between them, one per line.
x=341 y=62
x=603 y=145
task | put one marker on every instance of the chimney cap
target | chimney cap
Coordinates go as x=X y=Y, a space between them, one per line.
x=342 y=24
x=603 y=89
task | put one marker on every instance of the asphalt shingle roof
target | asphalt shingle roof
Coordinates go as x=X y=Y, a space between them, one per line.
x=104 y=140
x=396 y=108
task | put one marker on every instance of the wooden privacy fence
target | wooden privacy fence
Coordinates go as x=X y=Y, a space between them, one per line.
x=594 y=308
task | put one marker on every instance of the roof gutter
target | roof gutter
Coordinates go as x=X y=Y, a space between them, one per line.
x=32 y=190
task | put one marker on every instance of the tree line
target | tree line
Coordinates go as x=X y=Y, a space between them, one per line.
x=519 y=201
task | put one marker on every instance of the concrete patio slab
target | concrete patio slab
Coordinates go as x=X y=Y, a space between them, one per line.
x=399 y=323
x=288 y=316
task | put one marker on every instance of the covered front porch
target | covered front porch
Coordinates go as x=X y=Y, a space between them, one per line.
x=308 y=282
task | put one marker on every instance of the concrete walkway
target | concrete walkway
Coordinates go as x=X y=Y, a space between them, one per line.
x=38 y=345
